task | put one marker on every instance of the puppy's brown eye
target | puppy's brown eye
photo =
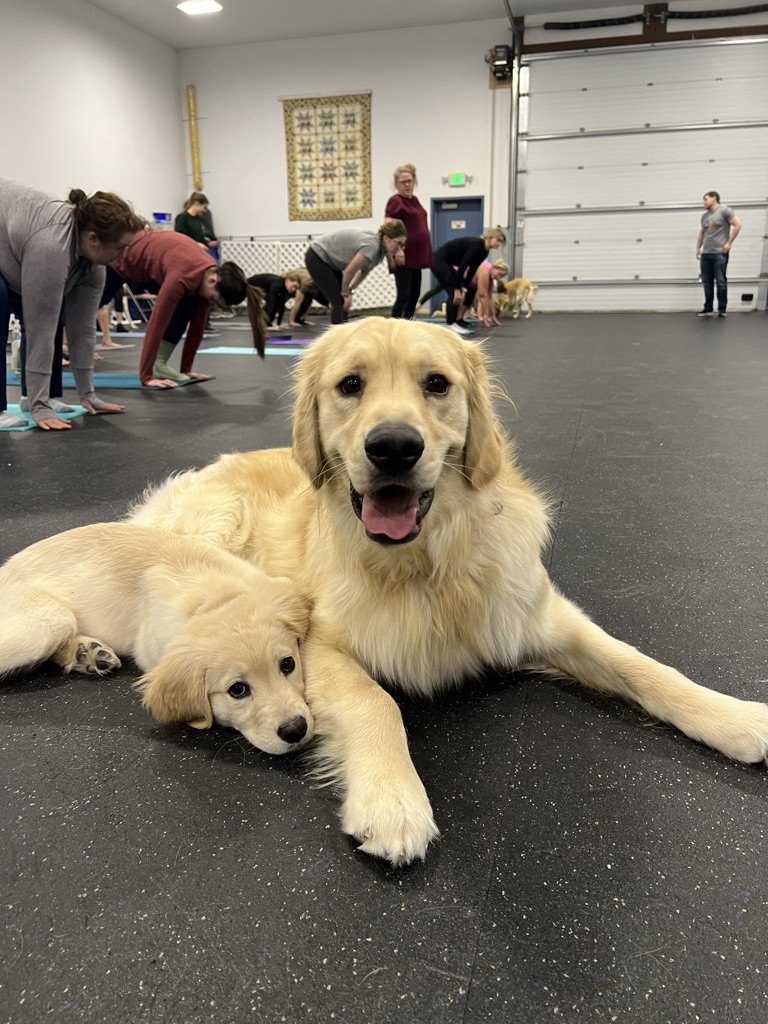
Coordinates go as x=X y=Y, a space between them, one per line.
x=239 y=690
x=351 y=385
x=287 y=665
x=436 y=384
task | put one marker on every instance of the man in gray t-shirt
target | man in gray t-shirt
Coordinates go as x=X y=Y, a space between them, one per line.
x=719 y=228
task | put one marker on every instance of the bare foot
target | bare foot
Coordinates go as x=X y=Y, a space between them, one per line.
x=54 y=423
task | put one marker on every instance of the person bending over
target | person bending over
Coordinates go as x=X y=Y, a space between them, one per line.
x=340 y=261
x=276 y=289
x=456 y=263
x=52 y=257
x=180 y=272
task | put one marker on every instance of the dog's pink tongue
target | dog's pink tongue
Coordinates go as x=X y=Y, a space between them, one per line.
x=392 y=513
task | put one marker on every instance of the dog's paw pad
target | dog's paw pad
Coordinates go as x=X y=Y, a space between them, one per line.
x=94 y=658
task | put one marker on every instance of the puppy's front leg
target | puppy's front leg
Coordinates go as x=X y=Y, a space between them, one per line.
x=579 y=648
x=364 y=748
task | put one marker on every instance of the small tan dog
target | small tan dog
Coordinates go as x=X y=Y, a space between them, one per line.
x=514 y=293
x=215 y=636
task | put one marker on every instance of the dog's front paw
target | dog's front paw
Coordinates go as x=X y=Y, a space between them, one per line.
x=391 y=819
x=742 y=731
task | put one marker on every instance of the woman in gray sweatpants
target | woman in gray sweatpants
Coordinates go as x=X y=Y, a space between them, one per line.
x=52 y=259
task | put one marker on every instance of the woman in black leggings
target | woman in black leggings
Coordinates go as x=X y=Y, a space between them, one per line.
x=455 y=264
x=340 y=261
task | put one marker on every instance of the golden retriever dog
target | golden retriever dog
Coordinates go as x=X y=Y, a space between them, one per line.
x=404 y=514
x=514 y=293
x=216 y=638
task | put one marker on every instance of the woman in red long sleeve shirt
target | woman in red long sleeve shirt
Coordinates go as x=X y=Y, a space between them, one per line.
x=188 y=283
x=404 y=206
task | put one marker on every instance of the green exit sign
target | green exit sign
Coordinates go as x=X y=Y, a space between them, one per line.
x=456 y=180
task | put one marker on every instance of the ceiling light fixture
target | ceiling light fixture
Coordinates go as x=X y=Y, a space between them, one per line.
x=200 y=7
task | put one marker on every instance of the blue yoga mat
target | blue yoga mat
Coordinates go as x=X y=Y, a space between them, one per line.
x=129 y=381
x=232 y=350
x=15 y=410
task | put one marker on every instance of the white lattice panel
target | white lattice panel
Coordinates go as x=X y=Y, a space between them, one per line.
x=274 y=256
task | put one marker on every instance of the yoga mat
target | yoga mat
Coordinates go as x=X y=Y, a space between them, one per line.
x=227 y=350
x=78 y=410
x=128 y=381
x=131 y=335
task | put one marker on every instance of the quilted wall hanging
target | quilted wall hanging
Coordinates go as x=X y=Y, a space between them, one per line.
x=328 y=146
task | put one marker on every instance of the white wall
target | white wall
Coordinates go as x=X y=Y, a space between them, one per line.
x=431 y=106
x=89 y=102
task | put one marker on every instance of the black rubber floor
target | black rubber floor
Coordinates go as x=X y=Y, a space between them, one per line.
x=593 y=866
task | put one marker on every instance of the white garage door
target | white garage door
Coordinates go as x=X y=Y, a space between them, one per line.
x=616 y=149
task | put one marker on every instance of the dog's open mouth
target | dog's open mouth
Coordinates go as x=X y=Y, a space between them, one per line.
x=391 y=515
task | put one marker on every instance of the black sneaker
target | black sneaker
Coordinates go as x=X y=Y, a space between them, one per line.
x=705 y=312
x=722 y=314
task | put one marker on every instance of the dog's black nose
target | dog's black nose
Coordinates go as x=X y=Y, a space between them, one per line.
x=394 y=448
x=293 y=731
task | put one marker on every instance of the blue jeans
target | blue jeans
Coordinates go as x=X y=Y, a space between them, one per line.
x=713 y=273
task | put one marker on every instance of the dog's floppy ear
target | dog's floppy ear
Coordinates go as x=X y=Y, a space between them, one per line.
x=174 y=691
x=293 y=605
x=485 y=444
x=307 y=450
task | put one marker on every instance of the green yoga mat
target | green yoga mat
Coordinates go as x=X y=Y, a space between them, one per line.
x=15 y=410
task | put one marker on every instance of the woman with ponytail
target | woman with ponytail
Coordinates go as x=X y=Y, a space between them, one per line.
x=52 y=258
x=186 y=282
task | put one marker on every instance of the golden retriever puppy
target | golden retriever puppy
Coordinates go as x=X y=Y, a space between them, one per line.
x=215 y=637
x=516 y=292
x=419 y=541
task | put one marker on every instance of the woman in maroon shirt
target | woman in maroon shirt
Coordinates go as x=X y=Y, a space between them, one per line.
x=186 y=281
x=404 y=206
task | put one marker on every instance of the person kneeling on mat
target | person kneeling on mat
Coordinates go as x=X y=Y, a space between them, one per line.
x=186 y=282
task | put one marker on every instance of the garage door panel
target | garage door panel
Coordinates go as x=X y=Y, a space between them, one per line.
x=664 y=65
x=677 y=103
x=621 y=246
x=626 y=170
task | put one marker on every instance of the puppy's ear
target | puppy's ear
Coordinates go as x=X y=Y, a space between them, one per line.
x=485 y=444
x=293 y=606
x=307 y=450
x=174 y=691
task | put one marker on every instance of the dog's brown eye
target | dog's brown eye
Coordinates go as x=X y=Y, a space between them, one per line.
x=239 y=690
x=436 y=384
x=287 y=665
x=351 y=386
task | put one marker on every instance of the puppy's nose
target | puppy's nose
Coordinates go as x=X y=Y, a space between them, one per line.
x=394 y=447
x=294 y=730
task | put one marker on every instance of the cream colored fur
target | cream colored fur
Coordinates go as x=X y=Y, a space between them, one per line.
x=514 y=294
x=195 y=620
x=468 y=591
